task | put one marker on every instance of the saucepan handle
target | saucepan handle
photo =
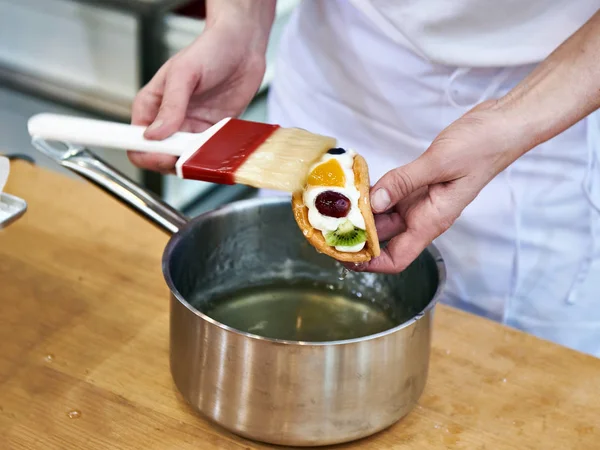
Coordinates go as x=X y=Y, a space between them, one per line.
x=86 y=164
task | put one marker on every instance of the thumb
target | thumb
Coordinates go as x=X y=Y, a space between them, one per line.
x=401 y=182
x=427 y=221
x=179 y=86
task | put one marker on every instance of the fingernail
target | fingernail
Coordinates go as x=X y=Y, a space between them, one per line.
x=156 y=124
x=380 y=200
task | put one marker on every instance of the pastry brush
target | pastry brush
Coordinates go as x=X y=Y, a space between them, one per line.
x=233 y=151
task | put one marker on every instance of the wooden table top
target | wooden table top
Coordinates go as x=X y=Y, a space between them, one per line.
x=84 y=349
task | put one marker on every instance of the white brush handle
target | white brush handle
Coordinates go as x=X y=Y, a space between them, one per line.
x=104 y=134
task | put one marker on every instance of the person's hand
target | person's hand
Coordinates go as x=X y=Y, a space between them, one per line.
x=421 y=200
x=416 y=203
x=215 y=77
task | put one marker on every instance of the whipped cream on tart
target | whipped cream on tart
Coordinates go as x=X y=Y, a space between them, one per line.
x=334 y=212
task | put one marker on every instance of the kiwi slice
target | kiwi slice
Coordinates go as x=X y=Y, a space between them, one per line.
x=346 y=235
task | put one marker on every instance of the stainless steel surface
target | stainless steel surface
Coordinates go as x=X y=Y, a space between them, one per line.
x=11 y=209
x=138 y=6
x=100 y=103
x=85 y=163
x=288 y=392
x=151 y=55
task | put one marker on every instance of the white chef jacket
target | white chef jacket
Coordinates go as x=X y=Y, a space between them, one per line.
x=526 y=251
x=478 y=33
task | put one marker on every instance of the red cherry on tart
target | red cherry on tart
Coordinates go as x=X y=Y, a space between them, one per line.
x=332 y=204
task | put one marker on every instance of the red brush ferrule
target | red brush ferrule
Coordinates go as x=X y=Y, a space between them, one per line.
x=217 y=160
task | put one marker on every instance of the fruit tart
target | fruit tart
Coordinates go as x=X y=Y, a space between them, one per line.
x=334 y=211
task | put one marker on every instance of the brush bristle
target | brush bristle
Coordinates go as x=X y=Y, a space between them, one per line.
x=283 y=160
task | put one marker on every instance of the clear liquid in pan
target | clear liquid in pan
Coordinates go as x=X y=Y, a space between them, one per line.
x=300 y=313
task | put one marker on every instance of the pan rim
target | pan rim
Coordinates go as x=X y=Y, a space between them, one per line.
x=177 y=237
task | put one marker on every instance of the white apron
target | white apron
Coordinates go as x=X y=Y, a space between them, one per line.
x=526 y=251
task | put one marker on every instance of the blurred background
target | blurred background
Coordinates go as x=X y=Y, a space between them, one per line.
x=89 y=58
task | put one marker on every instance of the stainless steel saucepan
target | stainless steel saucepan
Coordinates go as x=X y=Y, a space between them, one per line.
x=270 y=339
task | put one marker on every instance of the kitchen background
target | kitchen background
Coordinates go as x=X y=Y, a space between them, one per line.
x=89 y=58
